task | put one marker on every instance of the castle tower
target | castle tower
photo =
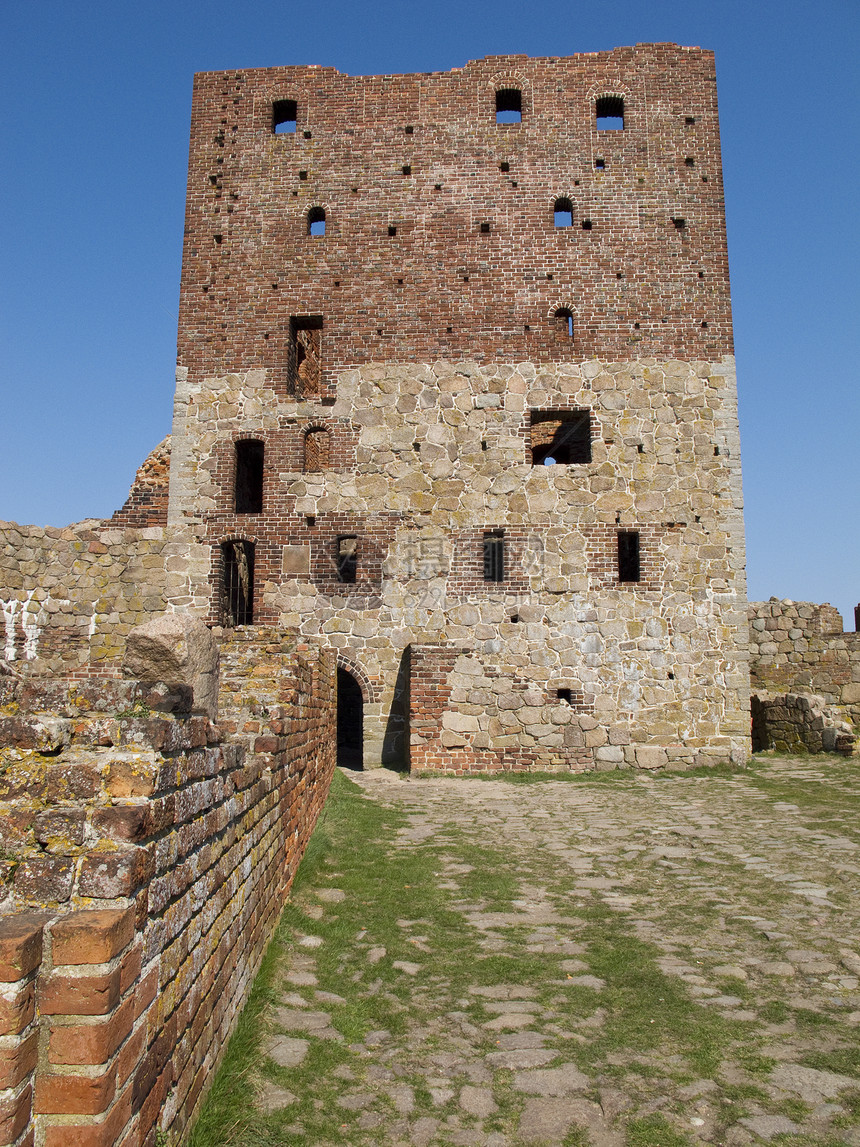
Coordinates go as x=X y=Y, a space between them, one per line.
x=456 y=396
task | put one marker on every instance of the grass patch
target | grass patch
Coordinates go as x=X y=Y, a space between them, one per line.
x=654 y=1131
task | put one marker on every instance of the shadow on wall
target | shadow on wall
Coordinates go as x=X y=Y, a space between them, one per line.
x=395 y=743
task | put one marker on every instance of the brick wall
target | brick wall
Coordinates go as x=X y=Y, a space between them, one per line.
x=424 y=156
x=146 y=504
x=147 y=856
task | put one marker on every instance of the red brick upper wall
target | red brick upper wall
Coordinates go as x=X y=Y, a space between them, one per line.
x=250 y=263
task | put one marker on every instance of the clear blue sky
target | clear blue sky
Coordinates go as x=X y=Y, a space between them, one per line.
x=96 y=99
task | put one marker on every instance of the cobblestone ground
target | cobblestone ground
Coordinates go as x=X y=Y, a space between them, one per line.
x=626 y=961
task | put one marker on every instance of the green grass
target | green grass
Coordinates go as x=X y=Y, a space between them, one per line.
x=641 y=1031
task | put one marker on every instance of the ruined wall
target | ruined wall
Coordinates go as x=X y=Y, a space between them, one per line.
x=800 y=647
x=154 y=855
x=70 y=596
x=146 y=504
x=452 y=325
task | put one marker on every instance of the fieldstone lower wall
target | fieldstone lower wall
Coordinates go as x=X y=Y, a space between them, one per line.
x=69 y=597
x=468 y=713
x=798 y=723
x=800 y=648
x=147 y=854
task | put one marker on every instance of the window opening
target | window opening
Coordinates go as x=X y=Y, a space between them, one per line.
x=609 y=113
x=504 y=166
x=564 y=321
x=248 y=490
x=509 y=105
x=485 y=228
x=392 y=231
x=284 y=113
x=494 y=555
x=564 y=695
x=347 y=557
x=237 y=596
x=316 y=221
x=628 y=555
x=317 y=449
x=600 y=164
x=563 y=213
x=586 y=224
x=303 y=367
x=560 y=437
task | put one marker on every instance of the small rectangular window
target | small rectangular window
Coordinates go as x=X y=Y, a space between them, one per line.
x=628 y=555
x=494 y=556
x=237 y=585
x=284 y=113
x=347 y=557
x=303 y=366
x=249 y=477
x=560 y=437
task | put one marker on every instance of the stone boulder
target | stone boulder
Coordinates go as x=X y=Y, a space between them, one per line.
x=176 y=649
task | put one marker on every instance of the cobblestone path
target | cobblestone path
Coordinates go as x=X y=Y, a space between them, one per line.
x=644 y=961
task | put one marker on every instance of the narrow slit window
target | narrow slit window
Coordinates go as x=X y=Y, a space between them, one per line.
x=316 y=221
x=560 y=437
x=494 y=556
x=248 y=491
x=303 y=366
x=563 y=213
x=509 y=105
x=237 y=585
x=346 y=558
x=563 y=319
x=628 y=556
x=609 y=113
x=284 y=114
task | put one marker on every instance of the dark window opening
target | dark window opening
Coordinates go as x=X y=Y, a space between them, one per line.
x=609 y=113
x=346 y=558
x=494 y=556
x=586 y=224
x=406 y=169
x=689 y=120
x=485 y=228
x=680 y=224
x=350 y=721
x=392 y=231
x=560 y=437
x=509 y=105
x=284 y=113
x=237 y=590
x=564 y=322
x=504 y=166
x=600 y=164
x=303 y=175
x=248 y=488
x=409 y=130
x=316 y=221
x=303 y=367
x=563 y=213
x=317 y=449
x=628 y=555
x=564 y=695
x=689 y=161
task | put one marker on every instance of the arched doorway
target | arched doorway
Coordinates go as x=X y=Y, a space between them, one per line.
x=350 y=721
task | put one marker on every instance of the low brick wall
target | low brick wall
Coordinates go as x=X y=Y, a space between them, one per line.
x=799 y=647
x=147 y=856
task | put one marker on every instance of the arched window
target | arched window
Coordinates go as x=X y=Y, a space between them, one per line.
x=317 y=449
x=284 y=113
x=609 y=113
x=509 y=105
x=563 y=212
x=248 y=490
x=563 y=320
x=316 y=221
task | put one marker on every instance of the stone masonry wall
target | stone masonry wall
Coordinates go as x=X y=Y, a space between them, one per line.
x=70 y=596
x=800 y=647
x=147 y=856
x=442 y=457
